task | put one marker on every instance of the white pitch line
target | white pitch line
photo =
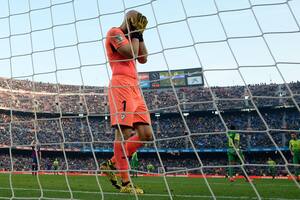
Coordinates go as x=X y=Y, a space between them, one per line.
x=124 y=194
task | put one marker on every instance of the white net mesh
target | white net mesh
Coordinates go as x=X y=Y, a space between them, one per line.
x=54 y=97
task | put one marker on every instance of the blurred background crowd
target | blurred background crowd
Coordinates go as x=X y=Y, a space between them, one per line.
x=76 y=118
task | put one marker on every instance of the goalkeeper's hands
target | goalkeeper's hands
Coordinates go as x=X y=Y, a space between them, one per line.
x=138 y=22
x=137 y=35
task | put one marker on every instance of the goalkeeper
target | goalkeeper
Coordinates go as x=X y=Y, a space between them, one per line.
x=233 y=152
x=134 y=164
x=128 y=111
x=294 y=146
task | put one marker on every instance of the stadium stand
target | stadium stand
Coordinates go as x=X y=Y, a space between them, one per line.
x=77 y=117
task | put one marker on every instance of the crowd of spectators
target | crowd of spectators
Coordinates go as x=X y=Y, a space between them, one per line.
x=203 y=131
x=41 y=97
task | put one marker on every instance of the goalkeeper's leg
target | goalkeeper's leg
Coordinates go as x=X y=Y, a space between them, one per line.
x=123 y=165
x=108 y=168
x=144 y=133
x=119 y=159
x=141 y=124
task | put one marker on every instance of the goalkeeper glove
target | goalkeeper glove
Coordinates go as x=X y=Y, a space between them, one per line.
x=137 y=35
x=138 y=22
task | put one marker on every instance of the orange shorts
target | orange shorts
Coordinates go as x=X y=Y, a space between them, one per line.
x=126 y=102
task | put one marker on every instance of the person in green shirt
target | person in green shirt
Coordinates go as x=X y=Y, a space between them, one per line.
x=294 y=146
x=271 y=167
x=134 y=164
x=233 y=151
x=55 y=166
x=150 y=168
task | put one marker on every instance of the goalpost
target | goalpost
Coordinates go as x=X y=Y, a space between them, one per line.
x=49 y=41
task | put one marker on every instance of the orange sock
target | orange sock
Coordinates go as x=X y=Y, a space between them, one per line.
x=132 y=144
x=121 y=161
x=130 y=147
x=113 y=159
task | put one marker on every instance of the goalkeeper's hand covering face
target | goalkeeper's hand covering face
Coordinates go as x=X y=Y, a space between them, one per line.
x=136 y=21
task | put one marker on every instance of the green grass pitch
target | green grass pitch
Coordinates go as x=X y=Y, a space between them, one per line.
x=86 y=187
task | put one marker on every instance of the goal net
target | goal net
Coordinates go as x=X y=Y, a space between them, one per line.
x=221 y=85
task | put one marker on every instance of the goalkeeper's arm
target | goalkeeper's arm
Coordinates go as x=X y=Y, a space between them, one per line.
x=138 y=24
x=143 y=53
x=130 y=51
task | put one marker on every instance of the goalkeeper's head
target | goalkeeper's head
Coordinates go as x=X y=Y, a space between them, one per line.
x=134 y=21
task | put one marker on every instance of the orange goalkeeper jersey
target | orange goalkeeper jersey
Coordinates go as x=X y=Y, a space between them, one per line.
x=119 y=65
